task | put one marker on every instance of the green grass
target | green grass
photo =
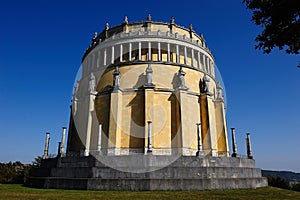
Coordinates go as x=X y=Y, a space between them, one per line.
x=21 y=192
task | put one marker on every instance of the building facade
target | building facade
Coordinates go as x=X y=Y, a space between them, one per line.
x=148 y=88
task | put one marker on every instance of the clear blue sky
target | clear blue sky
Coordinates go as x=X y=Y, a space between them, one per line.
x=42 y=42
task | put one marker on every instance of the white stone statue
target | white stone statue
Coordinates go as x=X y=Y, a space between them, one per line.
x=149 y=75
x=205 y=84
x=125 y=20
x=181 y=79
x=92 y=83
x=116 y=83
x=219 y=91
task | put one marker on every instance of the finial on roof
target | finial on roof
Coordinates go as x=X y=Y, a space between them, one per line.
x=149 y=18
x=191 y=27
x=94 y=41
x=106 y=26
x=172 y=20
x=125 y=20
x=95 y=35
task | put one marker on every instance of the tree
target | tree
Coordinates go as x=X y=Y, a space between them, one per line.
x=278 y=182
x=281 y=22
x=296 y=187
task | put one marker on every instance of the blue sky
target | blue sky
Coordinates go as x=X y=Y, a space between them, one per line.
x=42 y=42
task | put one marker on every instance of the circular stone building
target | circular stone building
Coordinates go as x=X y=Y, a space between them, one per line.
x=148 y=76
x=147 y=114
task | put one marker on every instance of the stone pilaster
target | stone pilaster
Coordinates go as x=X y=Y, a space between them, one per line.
x=221 y=128
x=184 y=143
x=91 y=108
x=221 y=125
x=212 y=125
x=115 y=120
x=208 y=127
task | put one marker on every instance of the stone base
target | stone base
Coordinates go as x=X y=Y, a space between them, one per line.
x=185 y=173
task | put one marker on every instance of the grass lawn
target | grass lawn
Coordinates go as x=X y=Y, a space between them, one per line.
x=21 y=192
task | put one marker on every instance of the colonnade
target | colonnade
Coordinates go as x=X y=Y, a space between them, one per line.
x=149 y=49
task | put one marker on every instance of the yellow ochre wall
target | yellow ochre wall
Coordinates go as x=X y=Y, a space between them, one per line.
x=174 y=113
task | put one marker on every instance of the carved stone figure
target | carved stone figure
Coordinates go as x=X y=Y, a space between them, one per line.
x=181 y=79
x=205 y=84
x=125 y=20
x=106 y=26
x=172 y=21
x=116 y=83
x=92 y=83
x=191 y=27
x=219 y=91
x=149 y=18
x=149 y=76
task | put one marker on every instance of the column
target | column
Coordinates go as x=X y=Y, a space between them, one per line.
x=177 y=53
x=130 y=51
x=88 y=65
x=98 y=59
x=58 y=149
x=93 y=62
x=207 y=65
x=121 y=52
x=99 y=138
x=149 y=51
x=192 y=57
x=212 y=69
x=149 y=150
x=168 y=57
x=248 y=143
x=63 y=135
x=185 y=56
x=104 y=57
x=46 y=146
x=199 y=60
x=234 y=147
x=204 y=64
x=199 y=137
x=140 y=51
x=112 y=54
x=159 y=51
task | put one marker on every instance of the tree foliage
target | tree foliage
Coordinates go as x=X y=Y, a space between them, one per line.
x=16 y=172
x=281 y=22
x=278 y=182
x=296 y=187
x=13 y=172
